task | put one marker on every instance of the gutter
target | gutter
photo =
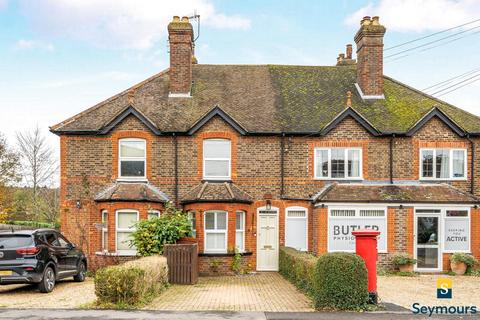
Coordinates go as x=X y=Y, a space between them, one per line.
x=391 y=158
x=282 y=160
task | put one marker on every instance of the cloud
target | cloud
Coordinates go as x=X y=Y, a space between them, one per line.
x=127 y=24
x=118 y=76
x=419 y=15
x=24 y=44
x=3 y=4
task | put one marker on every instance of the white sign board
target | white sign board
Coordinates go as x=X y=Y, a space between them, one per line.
x=340 y=236
x=456 y=235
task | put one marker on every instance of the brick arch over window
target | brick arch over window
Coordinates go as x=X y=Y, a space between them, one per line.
x=217 y=135
x=117 y=136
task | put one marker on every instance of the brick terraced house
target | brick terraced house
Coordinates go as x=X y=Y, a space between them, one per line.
x=263 y=156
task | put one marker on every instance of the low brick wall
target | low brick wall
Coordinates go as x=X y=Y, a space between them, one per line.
x=96 y=262
x=222 y=265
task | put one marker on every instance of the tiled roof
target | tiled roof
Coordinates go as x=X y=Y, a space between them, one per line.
x=267 y=99
x=417 y=193
x=216 y=192
x=131 y=191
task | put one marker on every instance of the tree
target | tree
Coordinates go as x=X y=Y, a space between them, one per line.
x=9 y=167
x=39 y=170
x=9 y=164
x=39 y=163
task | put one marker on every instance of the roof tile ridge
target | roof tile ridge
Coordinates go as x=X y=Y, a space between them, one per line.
x=101 y=103
x=200 y=193
x=227 y=185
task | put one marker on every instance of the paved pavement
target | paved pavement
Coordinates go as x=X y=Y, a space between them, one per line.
x=264 y=291
x=41 y=314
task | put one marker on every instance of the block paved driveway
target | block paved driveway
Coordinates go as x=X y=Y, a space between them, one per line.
x=264 y=291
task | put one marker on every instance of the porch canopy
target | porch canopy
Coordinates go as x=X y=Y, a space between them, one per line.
x=394 y=193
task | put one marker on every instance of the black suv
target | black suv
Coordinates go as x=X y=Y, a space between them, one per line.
x=39 y=256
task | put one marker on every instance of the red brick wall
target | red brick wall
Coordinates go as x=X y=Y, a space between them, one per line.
x=89 y=163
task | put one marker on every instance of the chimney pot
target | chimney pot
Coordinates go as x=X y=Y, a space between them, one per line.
x=349 y=51
x=365 y=21
x=184 y=19
x=376 y=21
x=176 y=19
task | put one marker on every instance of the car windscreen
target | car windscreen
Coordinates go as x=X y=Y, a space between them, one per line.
x=11 y=241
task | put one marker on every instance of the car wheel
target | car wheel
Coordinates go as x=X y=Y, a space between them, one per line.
x=48 y=281
x=81 y=272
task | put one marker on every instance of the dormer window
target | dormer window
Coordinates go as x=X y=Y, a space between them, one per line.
x=216 y=159
x=132 y=159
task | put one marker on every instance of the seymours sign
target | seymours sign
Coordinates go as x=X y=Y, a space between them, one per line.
x=342 y=222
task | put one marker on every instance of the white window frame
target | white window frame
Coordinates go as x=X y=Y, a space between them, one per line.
x=297 y=208
x=242 y=249
x=450 y=164
x=120 y=159
x=443 y=223
x=224 y=231
x=192 y=216
x=104 y=231
x=218 y=159
x=357 y=215
x=329 y=151
x=153 y=212
x=131 y=252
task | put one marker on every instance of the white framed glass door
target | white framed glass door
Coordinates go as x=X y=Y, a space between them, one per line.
x=427 y=240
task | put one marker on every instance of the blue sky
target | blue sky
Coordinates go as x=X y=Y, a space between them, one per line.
x=58 y=57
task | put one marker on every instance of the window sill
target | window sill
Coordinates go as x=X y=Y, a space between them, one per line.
x=228 y=254
x=132 y=180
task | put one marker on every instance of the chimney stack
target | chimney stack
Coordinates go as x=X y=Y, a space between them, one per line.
x=369 y=40
x=345 y=59
x=180 y=37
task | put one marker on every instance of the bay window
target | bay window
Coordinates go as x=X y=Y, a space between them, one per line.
x=132 y=158
x=240 y=231
x=126 y=220
x=153 y=214
x=443 y=164
x=104 y=230
x=215 y=231
x=216 y=159
x=338 y=163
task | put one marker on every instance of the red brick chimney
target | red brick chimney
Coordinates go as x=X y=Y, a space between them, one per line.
x=369 y=40
x=345 y=59
x=180 y=36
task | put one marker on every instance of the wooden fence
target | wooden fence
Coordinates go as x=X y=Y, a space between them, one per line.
x=182 y=260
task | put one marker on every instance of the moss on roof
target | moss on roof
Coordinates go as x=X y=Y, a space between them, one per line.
x=269 y=98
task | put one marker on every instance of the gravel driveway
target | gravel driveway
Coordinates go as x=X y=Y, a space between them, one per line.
x=67 y=294
x=405 y=291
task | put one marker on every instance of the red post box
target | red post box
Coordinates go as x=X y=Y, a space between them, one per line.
x=366 y=247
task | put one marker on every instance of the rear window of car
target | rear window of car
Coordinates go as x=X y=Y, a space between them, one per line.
x=15 y=241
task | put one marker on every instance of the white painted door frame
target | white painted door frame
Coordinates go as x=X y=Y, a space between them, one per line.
x=439 y=242
x=260 y=266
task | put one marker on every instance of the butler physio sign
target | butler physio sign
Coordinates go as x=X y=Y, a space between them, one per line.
x=341 y=224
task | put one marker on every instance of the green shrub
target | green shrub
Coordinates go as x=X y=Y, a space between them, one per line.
x=466 y=258
x=340 y=282
x=298 y=267
x=132 y=284
x=151 y=235
x=403 y=259
x=34 y=224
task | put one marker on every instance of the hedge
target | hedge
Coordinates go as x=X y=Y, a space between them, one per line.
x=298 y=267
x=341 y=282
x=333 y=280
x=133 y=283
x=34 y=224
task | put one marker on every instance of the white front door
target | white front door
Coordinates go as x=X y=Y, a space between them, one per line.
x=267 y=239
x=427 y=235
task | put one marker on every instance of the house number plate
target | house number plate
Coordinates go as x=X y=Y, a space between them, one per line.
x=267 y=247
